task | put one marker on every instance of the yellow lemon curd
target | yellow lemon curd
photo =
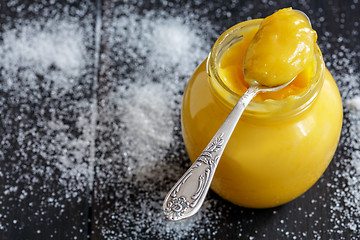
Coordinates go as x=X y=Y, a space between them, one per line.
x=283 y=142
x=280 y=49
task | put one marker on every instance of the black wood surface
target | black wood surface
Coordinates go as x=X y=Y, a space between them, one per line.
x=35 y=203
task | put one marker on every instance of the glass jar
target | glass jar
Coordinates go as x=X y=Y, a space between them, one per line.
x=279 y=148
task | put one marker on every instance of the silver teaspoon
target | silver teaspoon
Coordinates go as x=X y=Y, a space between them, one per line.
x=188 y=194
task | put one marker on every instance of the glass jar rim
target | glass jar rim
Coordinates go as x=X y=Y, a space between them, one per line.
x=292 y=105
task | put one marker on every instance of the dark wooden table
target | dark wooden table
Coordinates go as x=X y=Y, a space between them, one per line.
x=64 y=170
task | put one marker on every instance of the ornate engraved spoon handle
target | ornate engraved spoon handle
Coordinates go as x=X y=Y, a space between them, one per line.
x=188 y=194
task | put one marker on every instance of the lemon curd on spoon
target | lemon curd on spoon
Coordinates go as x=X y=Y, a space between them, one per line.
x=281 y=48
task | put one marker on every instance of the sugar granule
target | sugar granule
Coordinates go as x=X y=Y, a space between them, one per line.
x=353 y=103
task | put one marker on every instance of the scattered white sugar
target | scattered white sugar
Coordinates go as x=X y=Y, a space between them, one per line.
x=51 y=55
x=188 y=228
x=46 y=106
x=36 y=48
x=345 y=199
x=70 y=156
x=141 y=117
x=148 y=123
x=40 y=49
x=345 y=196
x=345 y=207
x=172 y=43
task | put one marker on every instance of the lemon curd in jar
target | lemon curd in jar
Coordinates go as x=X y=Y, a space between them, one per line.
x=284 y=140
